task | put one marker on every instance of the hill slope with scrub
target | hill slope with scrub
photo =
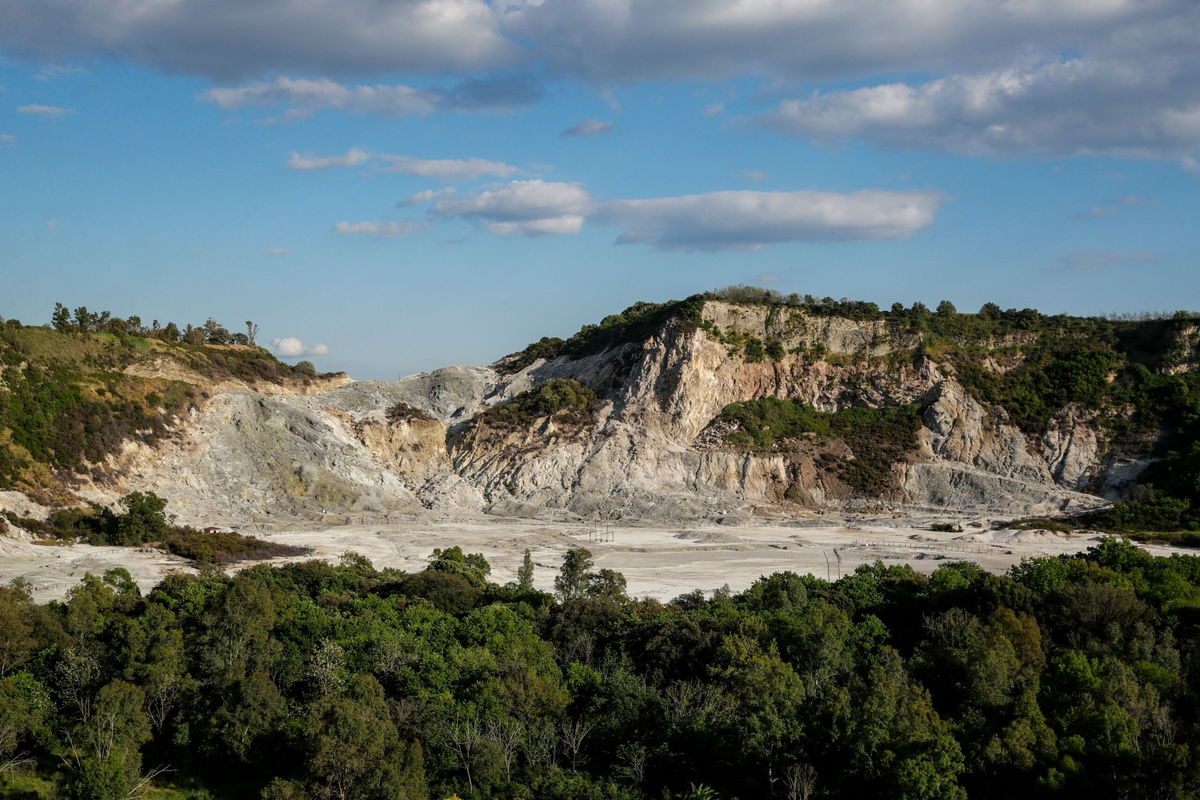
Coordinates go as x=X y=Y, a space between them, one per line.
x=725 y=405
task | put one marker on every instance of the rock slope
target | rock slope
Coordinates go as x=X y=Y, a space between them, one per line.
x=422 y=444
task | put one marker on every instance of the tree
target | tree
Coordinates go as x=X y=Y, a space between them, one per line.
x=575 y=574
x=607 y=583
x=946 y=309
x=306 y=368
x=356 y=752
x=61 y=318
x=525 y=571
x=251 y=332
x=144 y=519
x=990 y=311
x=83 y=319
x=16 y=639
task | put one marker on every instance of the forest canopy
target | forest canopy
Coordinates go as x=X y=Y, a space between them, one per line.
x=1067 y=677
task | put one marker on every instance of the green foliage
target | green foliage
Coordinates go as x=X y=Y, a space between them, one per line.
x=225 y=547
x=1072 y=676
x=68 y=400
x=877 y=437
x=565 y=400
x=635 y=324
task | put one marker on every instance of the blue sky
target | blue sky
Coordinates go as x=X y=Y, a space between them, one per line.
x=395 y=180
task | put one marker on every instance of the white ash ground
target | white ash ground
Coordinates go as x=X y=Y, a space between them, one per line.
x=658 y=561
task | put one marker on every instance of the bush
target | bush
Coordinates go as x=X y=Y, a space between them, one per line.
x=564 y=399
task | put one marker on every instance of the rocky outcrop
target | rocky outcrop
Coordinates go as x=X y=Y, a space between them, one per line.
x=417 y=445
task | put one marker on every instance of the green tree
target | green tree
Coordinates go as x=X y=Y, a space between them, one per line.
x=525 y=571
x=946 y=309
x=61 y=318
x=575 y=574
x=355 y=750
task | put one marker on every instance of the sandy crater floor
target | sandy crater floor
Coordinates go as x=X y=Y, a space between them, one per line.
x=660 y=562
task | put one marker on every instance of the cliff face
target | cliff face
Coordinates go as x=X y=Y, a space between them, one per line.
x=651 y=448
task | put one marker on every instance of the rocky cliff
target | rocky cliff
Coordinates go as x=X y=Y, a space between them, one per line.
x=652 y=440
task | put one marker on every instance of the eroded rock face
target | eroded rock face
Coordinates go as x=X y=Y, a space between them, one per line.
x=645 y=454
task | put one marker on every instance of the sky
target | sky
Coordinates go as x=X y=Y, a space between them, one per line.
x=391 y=186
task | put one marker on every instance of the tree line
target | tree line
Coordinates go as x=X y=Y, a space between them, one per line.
x=1074 y=676
x=81 y=320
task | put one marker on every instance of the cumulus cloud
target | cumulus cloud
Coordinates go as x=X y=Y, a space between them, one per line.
x=379 y=230
x=1100 y=260
x=44 y=111
x=525 y=208
x=352 y=158
x=449 y=170
x=303 y=96
x=748 y=220
x=1080 y=106
x=589 y=127
x=290 y=346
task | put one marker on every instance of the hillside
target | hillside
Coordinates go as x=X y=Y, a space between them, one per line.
x=725 y=405
x=73 y=398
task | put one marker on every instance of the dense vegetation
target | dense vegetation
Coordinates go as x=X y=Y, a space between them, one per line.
x=141 y=519
x=877 y=437
x=1068 y=677
x=565 y=400
x=68 y=399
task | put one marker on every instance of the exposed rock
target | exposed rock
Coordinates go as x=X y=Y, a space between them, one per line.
x=416 y=446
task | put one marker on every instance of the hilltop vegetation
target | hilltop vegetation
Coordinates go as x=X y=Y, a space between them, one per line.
x=1069 y=677
x=68 y=398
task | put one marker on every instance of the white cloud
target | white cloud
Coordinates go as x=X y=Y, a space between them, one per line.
x=1099 y=260
x=352 y=158
x=1144 y=108
x=7 y=138
x=714 y=109
x=278 y=251
x=589 y=127
x=526 y=208
x=290 y=346
x=380 y=230
x=45 y=111
x=449 y=169
x=748 y=220
x=287 y=346
x=303 y=96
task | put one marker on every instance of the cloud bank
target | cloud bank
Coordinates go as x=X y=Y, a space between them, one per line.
x=727 y=220
x=748 y=220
